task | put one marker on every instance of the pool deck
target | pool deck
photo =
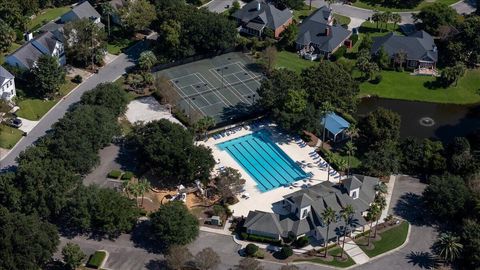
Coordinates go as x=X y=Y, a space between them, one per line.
x=264 y=201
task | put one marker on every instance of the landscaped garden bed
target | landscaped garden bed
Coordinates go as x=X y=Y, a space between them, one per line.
x=388 y=238
x=97 y=259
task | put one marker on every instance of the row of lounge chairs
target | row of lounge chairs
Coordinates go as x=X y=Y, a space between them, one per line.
x=226 y=133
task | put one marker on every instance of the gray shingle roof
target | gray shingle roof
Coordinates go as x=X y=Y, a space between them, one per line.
x=263 y=222
x=28 y=54
x=5 y=75
x=81 y=11
x=314 y=30
x=418 y=46
x=352 y=183
x=268 y=14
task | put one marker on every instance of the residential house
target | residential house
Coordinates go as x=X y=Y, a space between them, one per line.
x=7 y=84
x=258 y=15
x=302 y=215
x=27 y=55
x=318 y=35
x=335 y=127
x=80 y=11
x=419 y=48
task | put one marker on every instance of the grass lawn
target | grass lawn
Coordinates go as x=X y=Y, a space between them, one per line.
x=9 y=136
x=341 y=20
x=354 y=161
x=118 y=45
x=336 y=263
x=34 y=108
x=368 y=5
x=391 y=239
x=371 y=28
x=402 y=85
x=301 y=14
x=45 y=16
x=292 y=61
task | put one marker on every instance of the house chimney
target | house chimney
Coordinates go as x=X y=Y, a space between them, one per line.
x=327 y=31
x=258 y=6
x=28 y=36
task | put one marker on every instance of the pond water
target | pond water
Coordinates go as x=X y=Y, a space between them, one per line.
x=428 y=120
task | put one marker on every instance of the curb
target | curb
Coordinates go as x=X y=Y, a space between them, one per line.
x=407 y=240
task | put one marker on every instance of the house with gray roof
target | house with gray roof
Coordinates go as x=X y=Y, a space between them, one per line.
x=419 y=48
x=319 y=35
x=27 y=55
x=258 y=15
x=81 y=11
x=7 y=84
x=303 y=210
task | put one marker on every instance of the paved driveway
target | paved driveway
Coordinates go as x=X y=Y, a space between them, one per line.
x=416 y=254
x=219 y=6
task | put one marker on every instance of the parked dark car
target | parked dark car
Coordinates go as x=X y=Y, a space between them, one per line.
x=15 y=122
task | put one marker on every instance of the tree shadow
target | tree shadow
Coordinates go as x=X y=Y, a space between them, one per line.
x=141 y=237
x=156 y=264
x=126 y=158
x=411 y=208
x=424 y=260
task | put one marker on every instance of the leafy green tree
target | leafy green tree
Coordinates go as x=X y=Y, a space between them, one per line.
x=27 y=242
x=204 y=124
x=12 y=14
x=251 y=249
x=367 y=43
x=177 y=257
x=373 y=214
x=269 y=57
x=461 y=160
x=424 y=158
x=470 y=238
x=446 y=196
x=382 y=58
x=167 y=150
x=296 y=101
x=48 y=75
x=328 y=81
x=173 y=224
x=170 y=32
x=229 y=182
x=436 y=15
x=137 y=15
x=107 y=95
x=72 y=255
x=378 y=126
x=448 y=247
x=104 y=212
x=382 y=159
x=85 y=42
x=289 y=37
x=7 y=36
x=147 y=60
x=206 y=259
x=399 y=58
x=9 y=194
x=274 y=90
x=328 y=216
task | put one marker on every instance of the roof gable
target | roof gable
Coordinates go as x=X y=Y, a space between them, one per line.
x=417 y=45
x=268 y=13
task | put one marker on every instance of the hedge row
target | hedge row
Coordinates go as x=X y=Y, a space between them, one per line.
x=96 y=259
x=260 y=239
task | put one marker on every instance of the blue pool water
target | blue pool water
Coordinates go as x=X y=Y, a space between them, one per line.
x=263 y=160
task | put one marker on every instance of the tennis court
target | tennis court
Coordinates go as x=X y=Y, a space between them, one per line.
x=223 y=87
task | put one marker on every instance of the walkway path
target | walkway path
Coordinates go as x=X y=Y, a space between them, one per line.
x=355 y=252
x=108 y=73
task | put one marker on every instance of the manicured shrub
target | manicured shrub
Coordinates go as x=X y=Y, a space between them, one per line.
x=114 y=174
x=354 y=39
x=218 y=210
x=251 y=249
x=263 y=239
x=339 y=53
x=259 y=254
x=377 y=79
x=285 y=252
x=127 y=176
x=96 y=259
x=77 y=79
x=244 y=236
x=301 y=242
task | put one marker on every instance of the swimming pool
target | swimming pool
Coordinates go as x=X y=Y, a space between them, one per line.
x=263 y=160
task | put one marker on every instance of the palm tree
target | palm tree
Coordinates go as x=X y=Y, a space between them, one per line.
x=126 y=187
x=376 y=17
x=328 y=215
x=134 y=189
x=381 y=202
x=347 y=214
x=352 y=131
x=396 y=19
x=372 y=215
x=204 y=124
x=350 y=149
x=143 y=187
x=327 y=108
x=448 y=247
x=107 y=11
x=386 y=18
x=400 y=57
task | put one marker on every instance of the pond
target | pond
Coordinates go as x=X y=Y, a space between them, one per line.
x=428 y=120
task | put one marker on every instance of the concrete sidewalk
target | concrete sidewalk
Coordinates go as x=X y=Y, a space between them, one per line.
x=355 y=252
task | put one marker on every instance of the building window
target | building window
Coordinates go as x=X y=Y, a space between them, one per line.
x=304 y=214
x=354 y=194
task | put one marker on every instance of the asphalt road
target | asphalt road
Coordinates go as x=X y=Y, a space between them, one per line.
x=219 y=6
x=107 y=74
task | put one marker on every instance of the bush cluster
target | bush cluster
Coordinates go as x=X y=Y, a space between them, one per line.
x=260 y=239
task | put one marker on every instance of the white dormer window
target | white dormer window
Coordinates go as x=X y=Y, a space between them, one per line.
x=354 y=193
